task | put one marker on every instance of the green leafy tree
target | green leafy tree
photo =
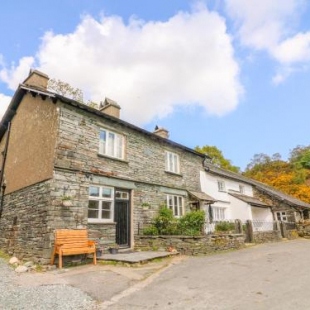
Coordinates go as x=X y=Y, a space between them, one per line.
x=217 y=157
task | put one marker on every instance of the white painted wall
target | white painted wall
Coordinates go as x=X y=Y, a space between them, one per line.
x=234 y=207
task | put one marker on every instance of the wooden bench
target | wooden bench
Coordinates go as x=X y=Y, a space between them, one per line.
x=72 y=242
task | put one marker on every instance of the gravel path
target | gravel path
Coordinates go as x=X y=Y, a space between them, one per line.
x=62 y=297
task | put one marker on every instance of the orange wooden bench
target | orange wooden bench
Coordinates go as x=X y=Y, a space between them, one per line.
x=72 y=242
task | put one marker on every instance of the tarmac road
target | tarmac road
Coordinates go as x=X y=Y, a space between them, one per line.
x=269 y=276
x=265 y=277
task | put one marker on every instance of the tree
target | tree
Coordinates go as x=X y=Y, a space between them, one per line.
x=217 y=157
x=65 y=89
x=291 y=176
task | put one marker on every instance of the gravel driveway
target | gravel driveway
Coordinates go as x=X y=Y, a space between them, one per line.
x=43 y=297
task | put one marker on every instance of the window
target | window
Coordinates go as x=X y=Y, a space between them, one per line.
x=172 y=162
x=221 y=186
x=218 y=213
x=281 y=216
x=241 y=189
x=101 y=204
x=175 y=203
x=111 y=144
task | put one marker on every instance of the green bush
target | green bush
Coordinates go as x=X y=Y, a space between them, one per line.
x=150 y=231
x=192 y=223
x=224 y=226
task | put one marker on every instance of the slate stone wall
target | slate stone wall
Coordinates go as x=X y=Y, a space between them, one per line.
x=188 y=245
x=267 y=236
x=78 y=149
x=24 y=229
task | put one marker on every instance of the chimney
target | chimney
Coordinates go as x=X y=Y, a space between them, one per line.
x=110 y=107
x=37 y=79
x=162 y=132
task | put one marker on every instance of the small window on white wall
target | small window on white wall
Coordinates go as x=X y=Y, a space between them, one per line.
x=221 y=186
x=218 y=213
x=241 y=189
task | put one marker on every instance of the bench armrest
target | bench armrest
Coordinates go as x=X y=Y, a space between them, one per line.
x=91 y=243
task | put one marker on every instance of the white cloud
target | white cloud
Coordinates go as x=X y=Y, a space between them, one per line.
x=4 y=103
x=16 y=74
x=147 y=67
x=294 y=50
x=270 y=26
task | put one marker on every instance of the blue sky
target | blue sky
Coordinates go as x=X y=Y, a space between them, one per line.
x=234 y=73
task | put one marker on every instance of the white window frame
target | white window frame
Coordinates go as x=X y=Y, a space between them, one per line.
x=172 y=162
x=218 y=213
x=282 y=216
x=100 y=200
x=221 y=186
x=241 y=189
x=176 y=204
x=112 y=147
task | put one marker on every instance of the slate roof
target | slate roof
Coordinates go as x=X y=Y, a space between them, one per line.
x=292 y=201
x=250 y=200
x=202 y=196
x=23 y=89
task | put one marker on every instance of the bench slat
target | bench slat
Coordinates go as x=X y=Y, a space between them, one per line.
x=71 y=242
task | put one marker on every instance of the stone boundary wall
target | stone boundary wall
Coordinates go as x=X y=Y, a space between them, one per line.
x=190 y=245
x=267 y=236
x=303 y=230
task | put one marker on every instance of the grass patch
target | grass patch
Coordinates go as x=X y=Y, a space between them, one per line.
x=4 y=255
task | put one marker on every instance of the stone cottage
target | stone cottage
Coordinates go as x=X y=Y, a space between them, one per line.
x=67 y=165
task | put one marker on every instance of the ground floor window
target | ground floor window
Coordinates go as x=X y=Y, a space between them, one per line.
x=175 y=203
x=281 y=216
x=218 y=213
x=101 y=204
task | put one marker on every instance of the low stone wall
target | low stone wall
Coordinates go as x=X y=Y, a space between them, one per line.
x=303 y=230
x=189 y=245
x=267 y=236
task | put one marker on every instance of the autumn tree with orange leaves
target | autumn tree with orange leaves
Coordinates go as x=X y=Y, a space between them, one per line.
x=291 y=177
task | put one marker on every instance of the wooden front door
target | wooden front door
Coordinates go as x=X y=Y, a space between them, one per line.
x=122 y=217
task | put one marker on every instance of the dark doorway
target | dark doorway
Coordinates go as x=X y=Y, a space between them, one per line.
x=122 y=217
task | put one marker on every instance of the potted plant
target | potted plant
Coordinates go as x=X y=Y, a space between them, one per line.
x=67 y=201
x=113 y=248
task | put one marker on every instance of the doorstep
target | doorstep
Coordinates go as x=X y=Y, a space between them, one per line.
x=135 y=257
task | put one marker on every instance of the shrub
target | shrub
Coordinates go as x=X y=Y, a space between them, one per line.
x=150 y=231
x=192 y=223
x=224 y=226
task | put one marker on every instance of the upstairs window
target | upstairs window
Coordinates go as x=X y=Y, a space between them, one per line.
x=172 y=162
x=221 y=186
x=111 y=144
x=175 y=203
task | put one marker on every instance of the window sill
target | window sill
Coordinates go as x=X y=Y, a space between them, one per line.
x=91 y=221
x=113 y=158
x=174 y=173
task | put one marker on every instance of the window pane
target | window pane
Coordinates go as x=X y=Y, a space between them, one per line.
x=93 y=209
x=94 y=191
x=106 y=210
x=102 y=145
x=111 y=143
x=106 y=192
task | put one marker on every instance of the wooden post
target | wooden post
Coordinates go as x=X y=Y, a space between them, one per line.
x=249 y=232
x=238 y=226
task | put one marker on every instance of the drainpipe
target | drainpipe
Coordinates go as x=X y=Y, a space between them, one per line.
x=3 y=184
